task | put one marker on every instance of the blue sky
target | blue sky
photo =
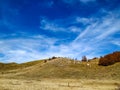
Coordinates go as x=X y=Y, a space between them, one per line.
x=38 y=29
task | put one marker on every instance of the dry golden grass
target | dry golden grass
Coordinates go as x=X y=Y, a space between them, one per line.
x=60 y=74
x=58 y=84
x=67 y=69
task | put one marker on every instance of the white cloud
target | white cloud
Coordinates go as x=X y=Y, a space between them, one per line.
x=37 y=47
x=75 y=29
x=95 y=38
x=83 y=20
x=48 y=25
x=25 y=49
x=59 y=26
x=102 y=28
x=98 y=35
x=116 y=42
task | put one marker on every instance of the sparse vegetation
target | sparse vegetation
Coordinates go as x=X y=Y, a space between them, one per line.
x=62 y=68
x=61 y=73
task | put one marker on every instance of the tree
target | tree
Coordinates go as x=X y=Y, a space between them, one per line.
x=84 y=59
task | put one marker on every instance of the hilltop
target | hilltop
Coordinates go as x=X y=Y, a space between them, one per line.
x=62 y=68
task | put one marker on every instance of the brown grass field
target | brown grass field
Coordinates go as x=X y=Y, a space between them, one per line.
x=59 y=74
x=58 y=84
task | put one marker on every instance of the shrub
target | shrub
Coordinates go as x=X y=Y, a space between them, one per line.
x=110 y=59
x=54 y=57
x=45 y=61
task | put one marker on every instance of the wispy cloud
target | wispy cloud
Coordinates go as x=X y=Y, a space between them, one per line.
x=98 y=35
x=102 y=28
x=60 y=25
x=116 y=42
x=94 y=35
x=84 y=20
x=49 y=25
x=91 y=41
x=25 y=49
x=37 y=47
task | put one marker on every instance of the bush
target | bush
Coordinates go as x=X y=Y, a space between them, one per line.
x=45 y=61
x=110 y=59
x=54 y=57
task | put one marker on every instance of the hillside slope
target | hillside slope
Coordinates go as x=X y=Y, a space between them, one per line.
x=63 y=68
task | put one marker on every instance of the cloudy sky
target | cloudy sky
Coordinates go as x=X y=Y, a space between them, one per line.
x=38 y=29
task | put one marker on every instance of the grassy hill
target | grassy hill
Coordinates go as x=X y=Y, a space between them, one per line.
x=60 y=68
